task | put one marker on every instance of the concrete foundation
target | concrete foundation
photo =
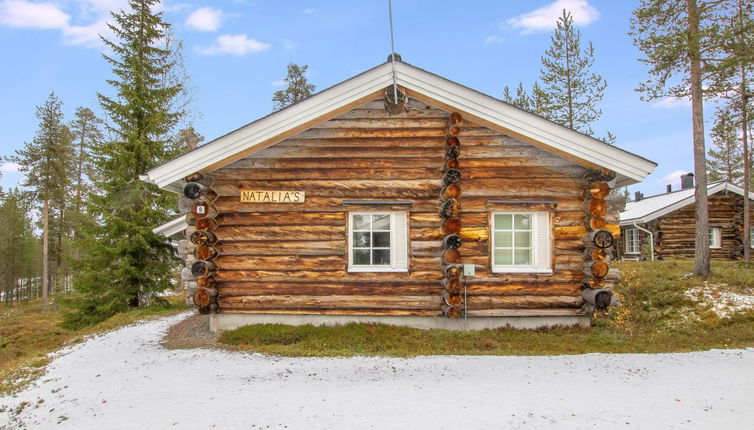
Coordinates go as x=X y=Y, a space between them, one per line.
x=229 y=321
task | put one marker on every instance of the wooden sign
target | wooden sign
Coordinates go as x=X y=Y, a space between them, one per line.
x=272 y=196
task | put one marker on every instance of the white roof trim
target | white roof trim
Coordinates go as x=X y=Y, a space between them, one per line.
x=171 y=228
x=629 y=167
x=654 y=213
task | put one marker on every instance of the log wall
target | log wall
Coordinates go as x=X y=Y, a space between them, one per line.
x=293 y=258
x=675 y=232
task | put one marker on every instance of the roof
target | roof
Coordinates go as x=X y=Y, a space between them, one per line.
x=653 y=207
x=171 y=228
x=420 y=85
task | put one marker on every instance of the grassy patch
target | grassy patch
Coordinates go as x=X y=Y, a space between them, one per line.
x=656 y=316
x=28 y=335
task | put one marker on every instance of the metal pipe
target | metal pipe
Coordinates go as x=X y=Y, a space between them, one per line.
x=651 y=242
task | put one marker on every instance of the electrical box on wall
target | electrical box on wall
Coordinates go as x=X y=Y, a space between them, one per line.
x=468 y=269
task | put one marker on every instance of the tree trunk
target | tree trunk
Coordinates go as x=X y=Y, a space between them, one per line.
x=747 y=173
x=45 y=250
x=701 y=255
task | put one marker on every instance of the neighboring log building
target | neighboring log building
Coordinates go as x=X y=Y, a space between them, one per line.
x=664 y=226
x=357 y=205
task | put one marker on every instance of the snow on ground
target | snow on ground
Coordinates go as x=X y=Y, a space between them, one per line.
x=126 y=380
x=720 y=300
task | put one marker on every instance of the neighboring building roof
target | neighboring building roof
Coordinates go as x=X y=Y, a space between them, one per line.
x=653 y=207
x=171 y=228
x=420 y=85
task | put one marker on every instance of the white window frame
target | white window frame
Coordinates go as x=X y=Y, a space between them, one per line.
x=398 y=243
x=541 y=244
x=715 y=238
x=633 y=237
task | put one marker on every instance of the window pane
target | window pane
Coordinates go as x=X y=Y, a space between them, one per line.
x=380 y=222
x=361 y=239
x=522 y=222
x=380 y=256
x=503 y=222
x=381 y=239
x=503 y=257
x=523 y=239
x=361 y=222
x=503 y=239
x=361 y=256
x=522 y=256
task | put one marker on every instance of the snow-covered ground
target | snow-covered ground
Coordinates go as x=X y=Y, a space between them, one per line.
x=126 y=380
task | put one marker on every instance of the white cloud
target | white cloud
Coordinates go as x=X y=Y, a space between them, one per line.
x=205 y=19
x=492 y=39
x=289 y=45
x=308 y=10
x=10 y=168
x=673 y=178
x=236 y=45
x=24 y=14
x=544 y=18
x=278 y=83
x=671 y=102
x=87 y=35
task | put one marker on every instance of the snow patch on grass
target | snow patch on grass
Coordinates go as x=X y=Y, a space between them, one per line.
x=720 y=299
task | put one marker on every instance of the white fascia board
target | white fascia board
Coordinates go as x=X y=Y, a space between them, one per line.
x=624 y=163
x=171 y=227
x=270 y=126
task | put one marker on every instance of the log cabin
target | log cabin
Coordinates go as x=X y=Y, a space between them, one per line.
x=664 y=226
x=399 y=197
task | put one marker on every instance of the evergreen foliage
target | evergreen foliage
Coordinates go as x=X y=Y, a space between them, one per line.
x=725 y=160
x=123 y=263
x=46 y=161
x=19 y=248
x=682 y=44
x=572 y=90
x=298 y=88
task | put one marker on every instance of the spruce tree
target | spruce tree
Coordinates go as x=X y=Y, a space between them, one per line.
x=17 y=245
x=675 y=36
x=572 y=90
x=123 y=263
x=46 y=162
x=725 y=160
x=298 y=88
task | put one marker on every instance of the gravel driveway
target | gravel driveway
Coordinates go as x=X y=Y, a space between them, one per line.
x=126 y=380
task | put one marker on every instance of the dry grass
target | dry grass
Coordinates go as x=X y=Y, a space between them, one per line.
x=656 y=316
x=27 y=335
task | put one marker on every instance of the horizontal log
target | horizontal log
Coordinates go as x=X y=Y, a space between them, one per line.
x=397 y=172
x=351 y=188
x=369 y=311
x=528 y=289
x=329 y=302
x=414 y=288
x=298 y=232
x=287 y=262
x=523 y=313
x=283 y=218
x=282 y=247
x=283 y=275
x=522 y=302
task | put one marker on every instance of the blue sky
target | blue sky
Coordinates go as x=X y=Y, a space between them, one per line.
x=237 y=52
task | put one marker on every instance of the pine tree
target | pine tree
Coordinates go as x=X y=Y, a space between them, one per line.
x=46 y=163
x=725 y=162
x=17 y=245
x=572 y=90
x=189 y=139
x=521 y=100
x=123 y=263
x=675 y=36
x=86 y=138
x=298 y=88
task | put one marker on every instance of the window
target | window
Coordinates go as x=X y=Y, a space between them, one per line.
x=714 y=237
x=377 y=242
x=521 y=242
x=633 y=241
